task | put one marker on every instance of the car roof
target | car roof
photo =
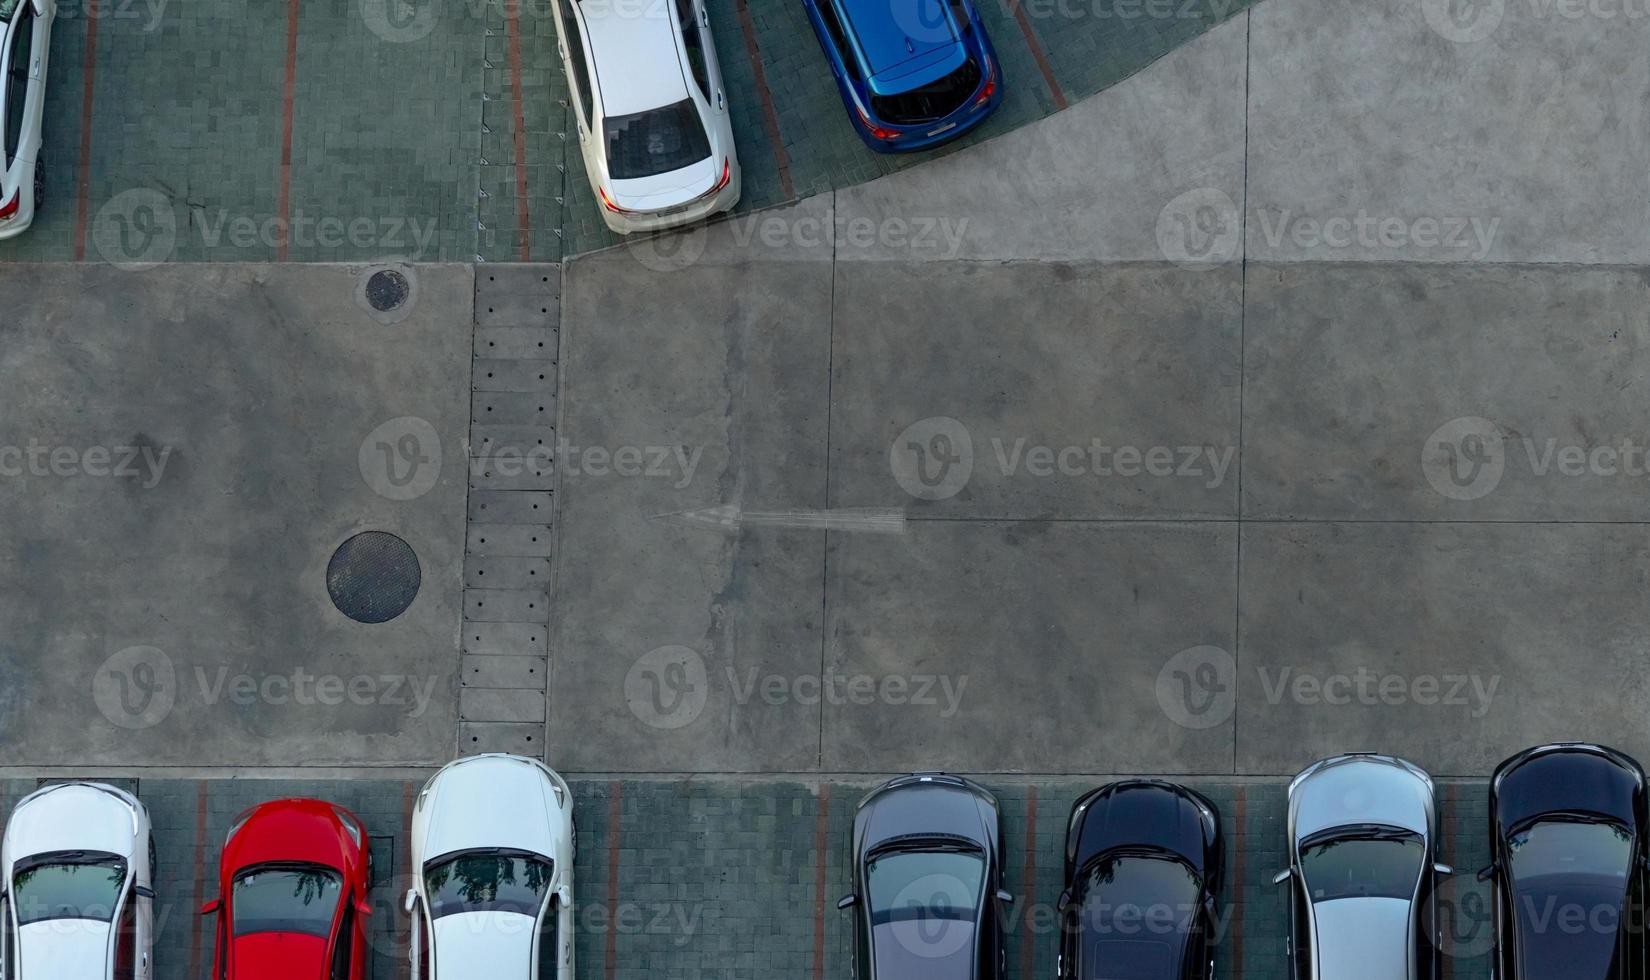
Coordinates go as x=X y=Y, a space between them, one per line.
x=633 y=53
x=483 y=945
x=1363 y=938
x=63 y=948
x=891 y=32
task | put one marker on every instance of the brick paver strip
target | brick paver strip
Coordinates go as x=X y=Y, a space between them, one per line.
x=822 y=847
x=283 y=194
x=83 y=180
x=1240 y=819
x=1028 y=952
x=1038 y=54
x=770 y=115
x=615 y=839
x=201 y=853
x=524 y=223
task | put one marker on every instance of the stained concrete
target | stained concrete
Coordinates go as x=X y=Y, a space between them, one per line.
x=1390 y=110
x=264 y=389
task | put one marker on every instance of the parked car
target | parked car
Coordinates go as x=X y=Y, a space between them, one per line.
x=77 y=898
x=25 y=32
x=294 y=884
x=650 y=109
x=912 y=73
x=1143 y=866
x=928 y=881
x=1362 y=870
x=493 y=845
x=1567 y=837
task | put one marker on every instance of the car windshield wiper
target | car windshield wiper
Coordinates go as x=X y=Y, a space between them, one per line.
x=931 y=843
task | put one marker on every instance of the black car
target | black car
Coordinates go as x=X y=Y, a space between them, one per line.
x=928 y=881
x=1143 y=866
x=1567 y=831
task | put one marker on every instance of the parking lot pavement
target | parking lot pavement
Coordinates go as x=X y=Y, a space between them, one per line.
x=185 y=452
x=740 y=879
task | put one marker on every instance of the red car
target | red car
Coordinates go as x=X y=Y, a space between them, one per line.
x=294 y=882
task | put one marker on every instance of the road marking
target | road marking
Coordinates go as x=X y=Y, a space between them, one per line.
x=200 y=876
x=524 y=227
x=1037 y=54
x=770 y=115
x=83 y=182
x=822 y=849
x=1028 y=950
x=283 y=182
x=1446 y=826
x=615 y=837
x=1240 y=821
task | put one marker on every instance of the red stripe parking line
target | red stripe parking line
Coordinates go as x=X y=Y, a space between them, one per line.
x=524 y=247
x=822 y=844
x=770 y=115
x=1037 y=54
x=1446 y=823
x=283 y=194
x=1240 y=863
x=83 y=181
x=195 y=952
x=1029 y=950
x=615 y=838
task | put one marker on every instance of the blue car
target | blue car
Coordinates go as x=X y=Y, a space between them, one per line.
x=913 y=73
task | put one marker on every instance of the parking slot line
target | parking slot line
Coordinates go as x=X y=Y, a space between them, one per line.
x=200 y=876
x=770 y=115
x=524 y=225
x=1028 y=952
x=1037 y=54
x=1240 y=863
x=822 y=849
x=83 y=181
x=1447 y=824
x=615 y=839
x=283 y=182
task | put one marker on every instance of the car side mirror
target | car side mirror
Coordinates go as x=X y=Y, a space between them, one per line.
x=847 y=902
x=1063 y=902
x=1486 y=872
x=212 y=907
x=1004 y=897
x=564 y=895
x=143 y=891
x=1442 y=868
x=363 y=907
x=1282 y=876
x=411 y=901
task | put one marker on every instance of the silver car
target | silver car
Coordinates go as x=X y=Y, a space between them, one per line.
x=1362 y=870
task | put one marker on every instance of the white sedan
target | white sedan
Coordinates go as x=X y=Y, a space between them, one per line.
x=79 y=864
x=26 y=29
x=492 y=898
x=651 y=110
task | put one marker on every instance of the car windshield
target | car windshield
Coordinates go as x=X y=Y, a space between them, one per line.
x=1135 y=916
x=658 y=141
x=488 y=882
x=280 y=899
x=924 y=884
x=1569 y=881
x=1370 y=864
x=931 y=102
x=68 y=885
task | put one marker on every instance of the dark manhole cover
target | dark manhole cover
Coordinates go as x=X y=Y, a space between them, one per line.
x=373 y=577
x=387 y=290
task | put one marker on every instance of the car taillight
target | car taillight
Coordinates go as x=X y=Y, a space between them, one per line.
x=727 y=175
x=9 y=208
x=990 y=87
x=607 y=202
x=877 y=131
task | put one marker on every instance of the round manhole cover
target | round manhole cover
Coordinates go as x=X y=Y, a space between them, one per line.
x=373 y=577
x=386 y=290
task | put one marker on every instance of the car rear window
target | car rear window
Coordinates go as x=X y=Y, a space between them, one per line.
x=657 y=141
x=936 y=100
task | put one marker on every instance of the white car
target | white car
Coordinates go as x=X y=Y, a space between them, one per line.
x=651 y=110
x=26 y=29
x=492 y=849
x=78 y=899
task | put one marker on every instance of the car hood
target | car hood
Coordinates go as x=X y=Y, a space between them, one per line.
x=280 y=956
x=1361 y=791
x=925 y=808
x=493 y=802
x=484 y=946
x=1567 y=779
x=1363 y=939
x=669 y=189
x=1145 y=816
x=64 y=949
x=71 y=818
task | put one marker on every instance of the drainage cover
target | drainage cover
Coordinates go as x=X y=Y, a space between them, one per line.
x=373 y=577
x=386 y=290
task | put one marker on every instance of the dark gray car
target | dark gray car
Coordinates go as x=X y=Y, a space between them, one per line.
x=927 y=877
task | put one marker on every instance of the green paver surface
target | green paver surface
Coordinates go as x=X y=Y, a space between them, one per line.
x=404 y=121
x=722 y=879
